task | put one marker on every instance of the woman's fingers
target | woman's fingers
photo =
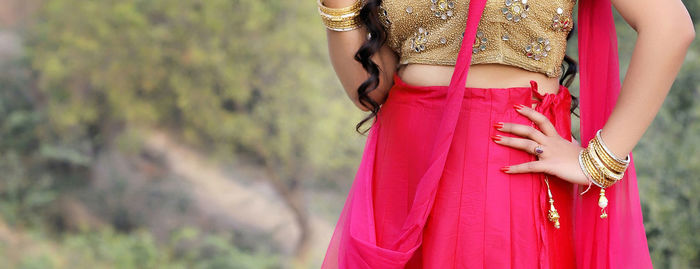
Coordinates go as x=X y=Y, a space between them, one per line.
x=526 y=145
x=521 y=130
x=528 y=167
x=538 y=118
x=536 y=138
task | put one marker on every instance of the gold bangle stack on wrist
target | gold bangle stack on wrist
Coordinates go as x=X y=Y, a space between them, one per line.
x=602 y=168
x=341 y=19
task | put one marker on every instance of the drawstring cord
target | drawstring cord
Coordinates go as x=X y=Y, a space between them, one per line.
x=546 y=103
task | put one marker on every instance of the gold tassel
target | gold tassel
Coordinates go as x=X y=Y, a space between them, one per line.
x=552 y=215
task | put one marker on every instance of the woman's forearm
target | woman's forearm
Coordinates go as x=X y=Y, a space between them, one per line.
x=342 y=47
x=656 y=60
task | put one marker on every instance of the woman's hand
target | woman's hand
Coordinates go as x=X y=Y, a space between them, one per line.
x=558 y=157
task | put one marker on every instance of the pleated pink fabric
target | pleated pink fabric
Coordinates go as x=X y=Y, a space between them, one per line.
x=429 y=194
x=481 y=217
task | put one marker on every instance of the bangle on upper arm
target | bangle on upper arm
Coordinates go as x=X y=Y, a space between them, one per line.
x=341 y=19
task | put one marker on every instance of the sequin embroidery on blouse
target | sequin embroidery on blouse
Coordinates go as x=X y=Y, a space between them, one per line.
x=530 y=34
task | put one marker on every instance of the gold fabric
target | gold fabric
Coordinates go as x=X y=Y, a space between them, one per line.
x=530 y=34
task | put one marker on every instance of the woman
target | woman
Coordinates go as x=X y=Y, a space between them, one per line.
x=433 y=192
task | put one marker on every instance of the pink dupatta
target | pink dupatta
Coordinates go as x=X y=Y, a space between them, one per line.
x=353 y=244
x=618 y=241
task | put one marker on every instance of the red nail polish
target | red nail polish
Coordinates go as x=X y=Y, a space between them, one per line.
x=518 y=106
x=496 y=137
x=505 y=168
x=498 y=125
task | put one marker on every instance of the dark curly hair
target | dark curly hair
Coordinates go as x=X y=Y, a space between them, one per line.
x=369 y=16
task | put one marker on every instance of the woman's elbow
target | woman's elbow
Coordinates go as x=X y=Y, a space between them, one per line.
x=365 y=105
x=682 y=33
x=674 y=22
x=691 y=33
x=685 y=29
x=376 y=96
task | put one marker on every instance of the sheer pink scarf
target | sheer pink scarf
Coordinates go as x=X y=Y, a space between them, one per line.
x=618 y=241
x=353 y=244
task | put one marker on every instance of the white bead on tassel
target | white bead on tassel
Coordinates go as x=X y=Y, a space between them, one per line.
x=603 y=203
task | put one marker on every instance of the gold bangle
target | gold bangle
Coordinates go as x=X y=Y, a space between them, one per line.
x=597 y=176
x=601 y=167
x=344 y=17
x=353 y=23
x=607 y=160
x=341 y=19
x=602 y=179
x=602 y=143
x=354 y=20
x=585 y=169
x=340 y=11
x=343 y=28
x=341 y=24
x=608 y=157
x=607 y=180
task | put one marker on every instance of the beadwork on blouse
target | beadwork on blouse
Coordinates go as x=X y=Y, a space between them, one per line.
x=530 y=34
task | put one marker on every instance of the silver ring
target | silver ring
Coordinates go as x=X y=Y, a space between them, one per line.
x=538 y=150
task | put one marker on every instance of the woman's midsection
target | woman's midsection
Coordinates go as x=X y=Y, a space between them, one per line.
x=480 y=76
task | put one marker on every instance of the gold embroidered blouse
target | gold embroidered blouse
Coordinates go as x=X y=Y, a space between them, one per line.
x=530 y=34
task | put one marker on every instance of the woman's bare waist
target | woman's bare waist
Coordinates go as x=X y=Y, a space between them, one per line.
x=480 y=75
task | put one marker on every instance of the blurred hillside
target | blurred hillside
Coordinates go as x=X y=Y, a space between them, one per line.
x=214 y=134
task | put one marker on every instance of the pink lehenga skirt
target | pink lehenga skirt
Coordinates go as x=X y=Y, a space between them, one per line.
x=480 y=217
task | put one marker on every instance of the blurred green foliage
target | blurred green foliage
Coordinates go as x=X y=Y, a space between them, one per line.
x=109 y=249
x=237 y=79
x=667 y=161
x=234 y=77
x=28 y=179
